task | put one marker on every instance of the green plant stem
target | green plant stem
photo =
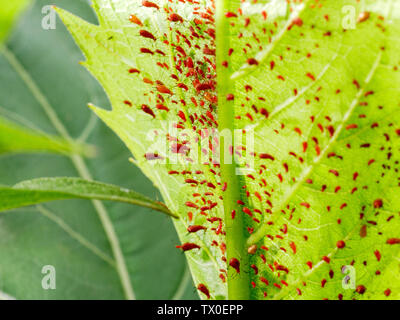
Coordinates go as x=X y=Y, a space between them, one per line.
x=238 y=283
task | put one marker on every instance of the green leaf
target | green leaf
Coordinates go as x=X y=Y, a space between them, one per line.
x=17 y=139
x=121 y=49
x=331 y=128
x=36 y=191
x=320 y=107
x=9 y=12
x=42 y=84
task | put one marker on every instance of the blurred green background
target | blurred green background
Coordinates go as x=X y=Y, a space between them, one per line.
x=38 y=69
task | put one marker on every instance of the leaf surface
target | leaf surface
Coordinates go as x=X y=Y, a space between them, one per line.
x=315 y=83
x=331 y=119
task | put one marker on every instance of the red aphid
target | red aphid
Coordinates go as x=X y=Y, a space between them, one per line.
x=297 y=21
x=264 y=14
x=181 y=115
x=174 y=17
x=262 y=279
x=133 y=70
x=377 y=255
x=378 y=203
x=208 y=51
x=272 y=65
x=361 y=289
x=163 y=89
x=264 y=112
x=147 y=80
x=311 y=76
x=189 y=180
x=203 y=86
x=326 y=259
x=235 y=264
x=393 y=241
x=162 y=107
x=147 y=34
x=183 y=86
x=266 y=156
x=135 y=20
x=191 y=205
x=247 y=211
x=180 y=50
x=188 y=246
x=252 y=61
x=195 y=228
x=293 y=246
x=203 y=289
x=230 y=97
x=230 y=15
x=189 y=62
x=145 y=50
x=253 y=266
x=149 y=4
x=340 y=244
x=147 y=109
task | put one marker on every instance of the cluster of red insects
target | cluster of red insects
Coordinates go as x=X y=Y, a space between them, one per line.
x=194 y=100
x=193 y=69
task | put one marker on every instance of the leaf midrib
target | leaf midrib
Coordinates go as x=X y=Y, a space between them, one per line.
x=81 y=168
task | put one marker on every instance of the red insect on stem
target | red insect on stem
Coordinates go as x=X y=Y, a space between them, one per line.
x=235 y=264
x=203 y=289
x=188 y=246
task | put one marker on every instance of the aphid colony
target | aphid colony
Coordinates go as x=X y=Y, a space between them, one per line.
x=188 y=98
x=186 y=54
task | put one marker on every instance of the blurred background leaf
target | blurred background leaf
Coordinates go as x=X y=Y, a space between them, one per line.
x=9 y=11
x=44 y=87
x=17 y=139
x=41 y=190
